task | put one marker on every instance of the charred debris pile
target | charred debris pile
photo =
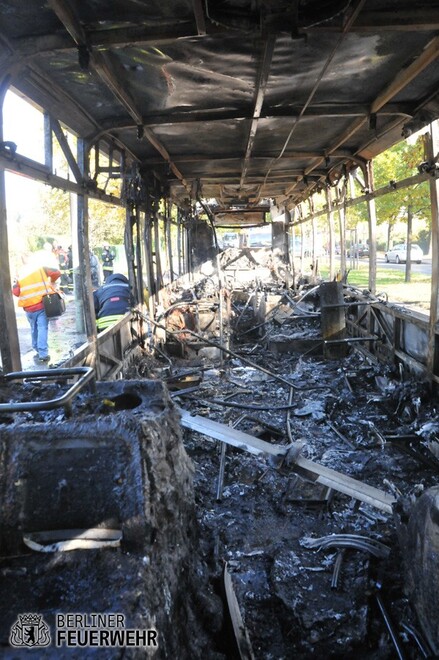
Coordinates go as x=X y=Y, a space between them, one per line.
x=314 y=506
x=324 y=540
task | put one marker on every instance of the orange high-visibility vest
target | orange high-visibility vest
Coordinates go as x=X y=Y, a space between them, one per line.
x=33 y=288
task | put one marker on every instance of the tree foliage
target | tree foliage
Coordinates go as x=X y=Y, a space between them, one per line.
x=106 y=224
x=55 y=217
x=395 y=164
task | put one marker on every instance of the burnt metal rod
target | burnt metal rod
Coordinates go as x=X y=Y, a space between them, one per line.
x=387 y=333
x=247 y=406
x=221 y=302
x=390 y=627
x=288 y=419
x=244 y=308
x=348 y=383
x=156 y=348
x=349 y=304
x=87 y=374
x=337 y=568
x=240 y=357
x=340 y=435
x=378 y=434
x=184 y=391
x=302 y=297
x=356 y=541
x=255 y=327
x=401 y=437
x=418 y=639
x=350 y=340
x=311 y=315
x=219 y=488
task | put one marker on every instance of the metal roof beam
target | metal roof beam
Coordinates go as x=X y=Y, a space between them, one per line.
x=259 y=100
x=139 y=35
x=293 y=155
x=327 y=110
x=411 y=19
x=68 y=17
x=102 y=64
x=404 y=77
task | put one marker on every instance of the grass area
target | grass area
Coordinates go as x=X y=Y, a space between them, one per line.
x=415 y=293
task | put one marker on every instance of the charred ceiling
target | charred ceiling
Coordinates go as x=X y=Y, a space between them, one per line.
x=242 y=101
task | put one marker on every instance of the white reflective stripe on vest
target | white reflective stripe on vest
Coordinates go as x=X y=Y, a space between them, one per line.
x=32 y=290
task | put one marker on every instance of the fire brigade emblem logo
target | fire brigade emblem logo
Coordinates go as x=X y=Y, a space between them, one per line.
x=30 y=630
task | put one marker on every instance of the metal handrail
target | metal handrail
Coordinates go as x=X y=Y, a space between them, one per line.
x=49 y=374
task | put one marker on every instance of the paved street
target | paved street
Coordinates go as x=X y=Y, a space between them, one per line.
x=424 y=268
x=63 y=337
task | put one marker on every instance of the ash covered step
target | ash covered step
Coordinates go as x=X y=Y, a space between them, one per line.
x=119 y=465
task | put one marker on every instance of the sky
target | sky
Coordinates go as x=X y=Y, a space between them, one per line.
x=23 y=125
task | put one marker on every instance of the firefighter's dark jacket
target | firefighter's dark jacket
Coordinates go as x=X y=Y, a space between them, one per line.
x=113 y=297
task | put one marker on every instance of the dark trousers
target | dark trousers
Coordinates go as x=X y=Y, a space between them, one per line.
x=107 y=270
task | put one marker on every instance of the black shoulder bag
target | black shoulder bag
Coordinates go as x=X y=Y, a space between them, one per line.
x=54 y=303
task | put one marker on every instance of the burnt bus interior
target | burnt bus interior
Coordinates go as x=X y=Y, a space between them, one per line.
x=248 y=461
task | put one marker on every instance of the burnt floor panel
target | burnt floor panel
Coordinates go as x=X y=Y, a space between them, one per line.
x=350 y=415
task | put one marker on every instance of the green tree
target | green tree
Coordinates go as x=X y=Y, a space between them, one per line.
x=55 y=216
x=106 y=223
x=398 y=163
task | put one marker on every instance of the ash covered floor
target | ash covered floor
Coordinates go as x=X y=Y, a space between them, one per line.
x=300 y=601
x=296 y=600
x=64 y=336
x=351 y=415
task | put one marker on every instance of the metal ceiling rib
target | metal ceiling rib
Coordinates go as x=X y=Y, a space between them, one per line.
x=248 y=99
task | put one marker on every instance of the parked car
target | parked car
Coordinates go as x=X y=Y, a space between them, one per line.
x=360 y=250
x=398 y=254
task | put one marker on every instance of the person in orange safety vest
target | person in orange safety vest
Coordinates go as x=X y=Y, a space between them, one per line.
x=30 y=290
